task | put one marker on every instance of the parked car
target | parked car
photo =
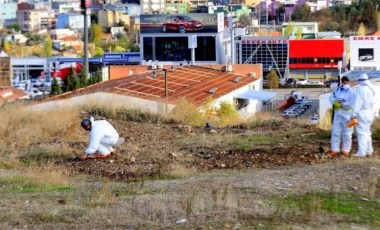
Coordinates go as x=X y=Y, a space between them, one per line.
x=35 y=93
x=301 y=82
x=181 y=24
x=366 y=57
x=315 y=83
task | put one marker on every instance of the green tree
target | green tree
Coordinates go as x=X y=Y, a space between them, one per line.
x=97 y=77
x=302 y=13
x=369 y=14
x=299 y=33
x=55 y=87
x=245 y=20
x=95 y=33
x=48 y=46
x=289 y=29
x=94 y=18
x=228 y=114
x=73 y=82
x=83 y=78
x=119 y=49
x=273 y=80
x=362 y=30
x=5 y=46
x=98 y=52
x=15 y=27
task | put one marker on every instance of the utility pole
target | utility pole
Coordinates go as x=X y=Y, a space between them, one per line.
x=85 y=35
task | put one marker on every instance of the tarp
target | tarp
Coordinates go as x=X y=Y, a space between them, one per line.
x=257 y=95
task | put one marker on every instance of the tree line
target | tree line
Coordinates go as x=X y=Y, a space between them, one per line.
x=347 y=19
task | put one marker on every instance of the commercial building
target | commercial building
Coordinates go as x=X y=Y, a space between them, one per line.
x=182 y=39
x=364 y=53
x=271 y=52
x=316 y=58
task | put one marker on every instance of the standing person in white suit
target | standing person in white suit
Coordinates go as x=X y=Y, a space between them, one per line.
x=342 y=100
x=364 y=112
x=102 y=137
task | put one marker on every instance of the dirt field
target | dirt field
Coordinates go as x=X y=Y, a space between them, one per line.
x=271 y=175
x=151 y=149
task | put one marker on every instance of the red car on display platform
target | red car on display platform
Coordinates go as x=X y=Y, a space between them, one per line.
x=181 y=24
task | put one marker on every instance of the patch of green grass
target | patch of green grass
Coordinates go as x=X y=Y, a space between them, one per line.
x=351 y=207
x=251 y=142
x=39 y=156
x=24 y=184
x=315 y=136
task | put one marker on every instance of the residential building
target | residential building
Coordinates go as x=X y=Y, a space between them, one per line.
x=153 y=6
x=307 y=30
x=195 y=3
x=72 y=21
x=117 y=30
x=66 y=7
x=8 y=12
x=316 y=5
x=133 y=9
x=176 y=7
x=109 y=18
x=61 y=33
x=28 y=18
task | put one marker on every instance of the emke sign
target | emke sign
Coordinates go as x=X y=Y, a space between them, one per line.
x=365 y=38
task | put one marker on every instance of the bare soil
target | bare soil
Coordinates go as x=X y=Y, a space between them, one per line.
x=151 y=150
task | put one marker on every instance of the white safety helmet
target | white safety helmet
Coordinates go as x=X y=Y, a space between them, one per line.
x=363 y=77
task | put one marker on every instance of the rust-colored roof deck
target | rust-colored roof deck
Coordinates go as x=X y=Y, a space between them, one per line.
x=10 y=94
x=192 y=83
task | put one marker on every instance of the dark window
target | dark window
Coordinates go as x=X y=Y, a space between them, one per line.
x=148 y=48
x=205 y=50
x=172 y=49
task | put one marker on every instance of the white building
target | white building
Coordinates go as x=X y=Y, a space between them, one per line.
x=152 y=6
x=365 y=52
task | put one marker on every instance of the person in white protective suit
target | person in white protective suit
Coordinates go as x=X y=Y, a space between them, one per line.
x=364 y=112
x=103 y=137
x=342 y=100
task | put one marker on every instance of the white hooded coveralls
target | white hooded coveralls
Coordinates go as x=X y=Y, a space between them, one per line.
x=340 y=132
x=102 y=137
x=364 y=111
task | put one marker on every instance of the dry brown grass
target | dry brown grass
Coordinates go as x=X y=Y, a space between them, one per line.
x=326 y=123
x=23 y=129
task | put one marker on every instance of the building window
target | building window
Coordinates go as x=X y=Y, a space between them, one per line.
x=205 y=50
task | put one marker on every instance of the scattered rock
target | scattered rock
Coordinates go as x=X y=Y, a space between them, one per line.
x=181 y=221
x=213 y=131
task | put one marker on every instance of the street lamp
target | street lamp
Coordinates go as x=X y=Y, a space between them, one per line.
x=85 y=35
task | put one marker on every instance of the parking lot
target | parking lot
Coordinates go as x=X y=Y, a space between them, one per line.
x=311 y=96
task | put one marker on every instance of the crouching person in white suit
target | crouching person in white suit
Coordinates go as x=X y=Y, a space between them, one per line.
x=103 y=137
